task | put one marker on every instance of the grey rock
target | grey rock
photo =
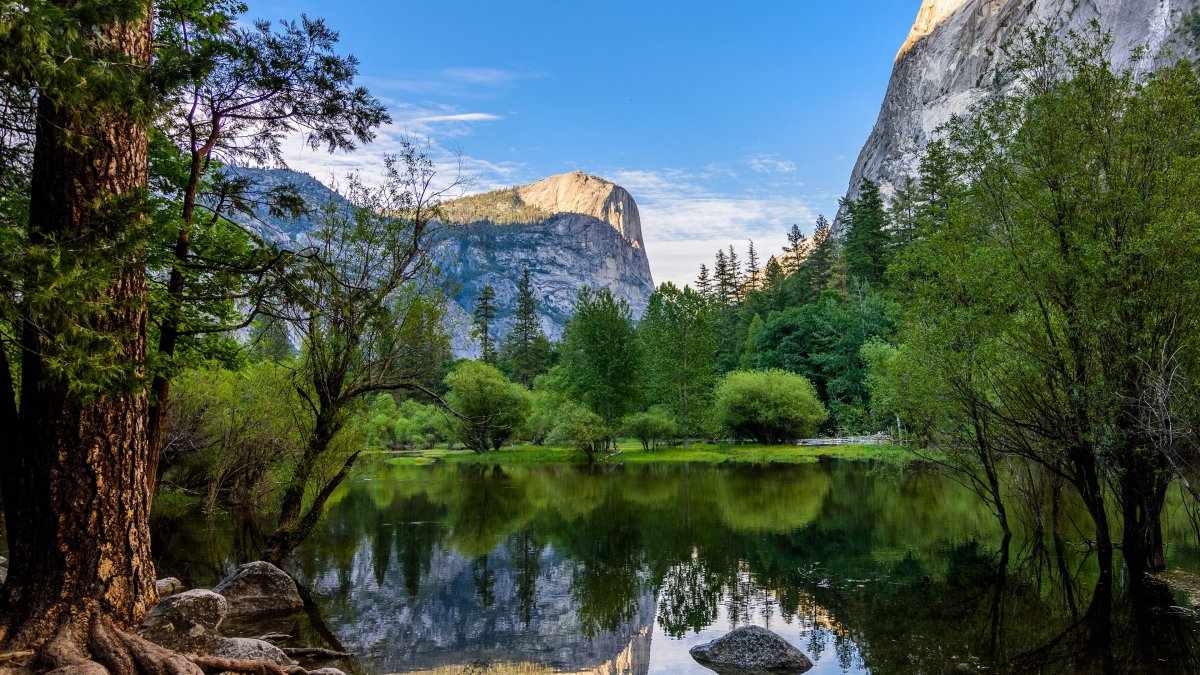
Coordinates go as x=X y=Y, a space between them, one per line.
x=749 y=650
x=249 y=649
x=186 y=622
x=948 y=63
x=3 y=575
x=259 y=588
x=326 y=671
x=168 y=587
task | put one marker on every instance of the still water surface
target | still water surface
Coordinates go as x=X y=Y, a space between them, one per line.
x=452 y=569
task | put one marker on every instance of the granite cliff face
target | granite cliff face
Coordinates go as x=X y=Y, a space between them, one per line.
x=569 y=231
x=948 y=61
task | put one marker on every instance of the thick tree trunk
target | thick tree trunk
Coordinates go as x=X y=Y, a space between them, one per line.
x=74 y=470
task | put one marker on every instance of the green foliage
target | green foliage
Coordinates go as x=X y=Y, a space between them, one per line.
x=602 y=356
x=407 y=426
x=867 y=237
x=492 y=409
x=229 y=431
x=822 y=341
x=526 y=353
x=652 y=428
x=678 y=333
x=771 y=406
x=484 y=314
x=581 y=429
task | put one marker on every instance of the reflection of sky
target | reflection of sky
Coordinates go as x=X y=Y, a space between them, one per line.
x=669 y=655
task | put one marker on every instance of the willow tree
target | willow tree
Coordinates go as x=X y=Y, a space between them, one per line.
x=1075 y=235
x=364 y=299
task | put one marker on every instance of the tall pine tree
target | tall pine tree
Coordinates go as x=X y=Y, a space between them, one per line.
x=868 y=242
x=525 y=353
x=485 y=313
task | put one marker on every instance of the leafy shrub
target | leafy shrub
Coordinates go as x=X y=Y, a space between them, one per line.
x=652 y=428
x=770 y=406
x=580 y=428
x=492 y=408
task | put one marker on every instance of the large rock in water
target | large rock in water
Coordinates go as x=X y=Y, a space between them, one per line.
x=949 y=61
x=749 y=650
x=258 y=589
x=186 y=622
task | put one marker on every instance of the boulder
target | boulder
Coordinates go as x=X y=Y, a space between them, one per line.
x=168 y=587
x=259 y=588
x=186 y=622
x=751 y=649
x=249 y=649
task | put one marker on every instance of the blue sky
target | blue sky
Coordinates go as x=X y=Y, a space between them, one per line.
x=727 y=121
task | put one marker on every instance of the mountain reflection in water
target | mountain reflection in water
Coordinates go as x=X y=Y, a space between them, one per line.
x=455 y=569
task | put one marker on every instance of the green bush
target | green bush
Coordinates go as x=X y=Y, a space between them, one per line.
x=492 y=408
x=770 y=406
x=652 y=428
x=580 y=428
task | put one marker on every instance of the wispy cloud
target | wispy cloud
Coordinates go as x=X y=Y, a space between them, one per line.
x=769 y=164
x=467 y=82
x=684 y=222
x=460 y=117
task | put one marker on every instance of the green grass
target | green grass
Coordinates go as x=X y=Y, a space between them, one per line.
x=631 y=452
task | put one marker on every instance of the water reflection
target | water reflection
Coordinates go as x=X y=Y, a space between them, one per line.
x=621 y=570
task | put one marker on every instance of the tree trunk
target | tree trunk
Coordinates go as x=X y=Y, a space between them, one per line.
x=74 y=470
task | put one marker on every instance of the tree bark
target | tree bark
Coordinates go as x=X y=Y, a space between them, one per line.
x=73 y=472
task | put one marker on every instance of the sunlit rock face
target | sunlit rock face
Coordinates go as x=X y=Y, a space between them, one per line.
x=949 y=60
x=569 y=231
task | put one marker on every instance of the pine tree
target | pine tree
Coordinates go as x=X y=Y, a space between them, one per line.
x=735 y=274
x=752 y=268
x=867 y=241
x=823 y=258
x=724 y=281
x=485 y=312
x=704 y=284
x=525 y=353
x=749 y=359
x=797 y=243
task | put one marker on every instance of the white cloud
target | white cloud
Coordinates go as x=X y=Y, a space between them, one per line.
x=460 y=117
x=684 y=223
x=769 y=164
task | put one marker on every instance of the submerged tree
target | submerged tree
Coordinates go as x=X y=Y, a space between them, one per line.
x=1079 y=207
x=365 y=305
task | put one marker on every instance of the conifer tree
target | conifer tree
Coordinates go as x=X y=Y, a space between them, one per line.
x=525 y=353
x=867 y=240
x=752 y=268
x=724 y=280
x=823 y=258
x=797 y=242
x=735 y=272
x=485 y=312
x=704 y=283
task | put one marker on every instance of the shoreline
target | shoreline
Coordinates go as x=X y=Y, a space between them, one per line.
x=633 y=453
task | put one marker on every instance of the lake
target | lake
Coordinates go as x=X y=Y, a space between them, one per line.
x=866 y=568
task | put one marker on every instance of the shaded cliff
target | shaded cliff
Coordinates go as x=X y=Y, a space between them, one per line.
x=949 y=59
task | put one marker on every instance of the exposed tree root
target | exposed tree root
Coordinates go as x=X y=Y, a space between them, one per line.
x=108 y=650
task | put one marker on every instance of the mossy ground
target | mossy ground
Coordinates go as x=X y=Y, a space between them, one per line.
x=631 y=452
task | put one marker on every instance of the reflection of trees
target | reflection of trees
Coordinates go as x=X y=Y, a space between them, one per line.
x=526 y=556
x=689 y=597
x=485 y=506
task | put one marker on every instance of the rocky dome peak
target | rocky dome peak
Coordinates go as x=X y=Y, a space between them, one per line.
x=578 y=192
x=930 y=16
